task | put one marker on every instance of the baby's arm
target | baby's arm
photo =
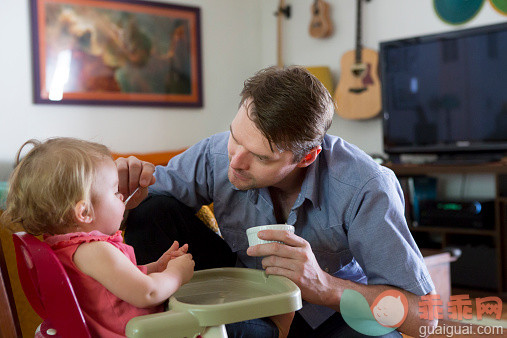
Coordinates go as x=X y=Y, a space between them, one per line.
x=111 y=268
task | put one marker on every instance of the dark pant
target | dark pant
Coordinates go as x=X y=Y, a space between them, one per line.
x=159 y=220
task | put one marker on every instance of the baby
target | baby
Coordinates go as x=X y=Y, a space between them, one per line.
x=67 y=190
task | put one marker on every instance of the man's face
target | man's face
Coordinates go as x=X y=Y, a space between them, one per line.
x=252 y=164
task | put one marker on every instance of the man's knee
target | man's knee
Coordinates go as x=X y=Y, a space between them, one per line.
x=254 y=328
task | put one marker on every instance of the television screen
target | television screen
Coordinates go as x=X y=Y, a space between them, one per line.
x=446 y=93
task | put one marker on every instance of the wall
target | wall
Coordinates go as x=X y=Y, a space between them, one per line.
x=230 y=44
x=239 y=37
x=382 y=20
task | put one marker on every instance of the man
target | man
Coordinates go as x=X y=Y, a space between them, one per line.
x=278 y=165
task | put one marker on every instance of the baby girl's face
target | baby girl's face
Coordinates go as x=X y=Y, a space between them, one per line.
x=107 y=202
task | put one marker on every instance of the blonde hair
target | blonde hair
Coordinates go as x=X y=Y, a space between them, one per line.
x=48 y=182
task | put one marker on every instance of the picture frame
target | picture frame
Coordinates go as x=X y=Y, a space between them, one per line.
x=116 y=52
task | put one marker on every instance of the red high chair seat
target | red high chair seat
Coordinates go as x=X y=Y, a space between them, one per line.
x=48 y=289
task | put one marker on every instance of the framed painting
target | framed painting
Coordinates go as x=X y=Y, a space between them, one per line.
x=116 y=52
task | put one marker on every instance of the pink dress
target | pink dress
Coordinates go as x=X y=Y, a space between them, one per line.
x=106 y=315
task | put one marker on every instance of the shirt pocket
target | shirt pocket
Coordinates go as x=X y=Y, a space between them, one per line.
x=236 y=239
x=332 y=262
x=238 y=242
x=341 y=265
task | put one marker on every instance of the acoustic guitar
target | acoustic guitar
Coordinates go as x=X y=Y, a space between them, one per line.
x=358 y=94
x=320 y=24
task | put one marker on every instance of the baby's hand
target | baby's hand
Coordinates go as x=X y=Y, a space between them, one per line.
x=182 y=265
x=173 y=252
x=180 y=252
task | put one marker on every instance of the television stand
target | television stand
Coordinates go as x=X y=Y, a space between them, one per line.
x=447 y=159
x=467 y=159
x=489 y=242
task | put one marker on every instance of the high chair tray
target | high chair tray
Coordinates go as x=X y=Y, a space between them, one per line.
x=219 y=296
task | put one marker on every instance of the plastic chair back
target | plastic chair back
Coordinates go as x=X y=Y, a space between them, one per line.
x=47 y=287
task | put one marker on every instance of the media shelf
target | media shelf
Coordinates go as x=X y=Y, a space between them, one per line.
x=498 y=168
x=491 y=243
x=444 y=230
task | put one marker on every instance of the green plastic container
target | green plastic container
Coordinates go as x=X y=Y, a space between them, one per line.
x=216 y=297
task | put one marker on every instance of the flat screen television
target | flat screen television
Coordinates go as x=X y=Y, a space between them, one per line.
x=446 y=94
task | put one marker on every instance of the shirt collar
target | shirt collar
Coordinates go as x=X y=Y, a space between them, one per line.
x=310 y=187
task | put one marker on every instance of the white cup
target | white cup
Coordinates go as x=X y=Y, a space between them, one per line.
x=252 y=232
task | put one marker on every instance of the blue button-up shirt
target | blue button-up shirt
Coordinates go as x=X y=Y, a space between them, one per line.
x=350 y=210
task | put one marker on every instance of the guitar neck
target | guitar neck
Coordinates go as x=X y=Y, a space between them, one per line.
x=279 y=37
x=359 y=46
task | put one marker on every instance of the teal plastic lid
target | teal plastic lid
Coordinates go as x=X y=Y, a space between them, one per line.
x=4 y=188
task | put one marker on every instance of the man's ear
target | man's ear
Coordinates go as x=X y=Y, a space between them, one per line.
x=82 y=212
x=310 y=157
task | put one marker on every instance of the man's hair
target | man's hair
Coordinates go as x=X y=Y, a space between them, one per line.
x=48 y=182
x=290 y=107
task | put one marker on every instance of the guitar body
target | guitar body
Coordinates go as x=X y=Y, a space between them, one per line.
x=358 y=94
x=320 y=25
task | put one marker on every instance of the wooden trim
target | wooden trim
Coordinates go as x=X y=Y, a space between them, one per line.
x=9 y=322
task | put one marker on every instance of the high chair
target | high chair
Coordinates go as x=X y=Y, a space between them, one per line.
x=47 y=287
x=201 y=307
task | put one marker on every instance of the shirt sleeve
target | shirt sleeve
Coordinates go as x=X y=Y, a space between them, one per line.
x=187 y=176
x=380 y=240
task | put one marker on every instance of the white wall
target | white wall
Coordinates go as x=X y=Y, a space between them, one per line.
x=230 y=45
x=238 y=38
x=382 y=20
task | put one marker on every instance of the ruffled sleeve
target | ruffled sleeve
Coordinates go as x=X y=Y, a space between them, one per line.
x=64 y=240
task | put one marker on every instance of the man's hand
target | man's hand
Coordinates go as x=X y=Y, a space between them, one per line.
x=294 y=260
x=133 y=173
